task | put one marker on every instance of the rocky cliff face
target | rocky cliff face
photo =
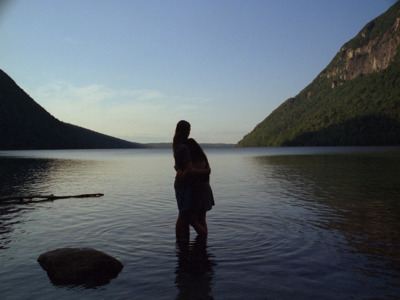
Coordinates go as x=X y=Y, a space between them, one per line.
x=355 y=100
x=370 y=51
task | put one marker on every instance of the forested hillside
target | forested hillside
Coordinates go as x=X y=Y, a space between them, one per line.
x=24 y=124
x=354 y=101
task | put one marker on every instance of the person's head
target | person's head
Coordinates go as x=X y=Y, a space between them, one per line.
x=196 y=153
x=182 y=132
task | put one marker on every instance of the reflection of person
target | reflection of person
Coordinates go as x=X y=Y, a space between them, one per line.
x=184 y=170
x=194 y=270
x=202 y=199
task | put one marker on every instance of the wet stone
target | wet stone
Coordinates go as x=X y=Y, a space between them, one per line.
x=79 y=266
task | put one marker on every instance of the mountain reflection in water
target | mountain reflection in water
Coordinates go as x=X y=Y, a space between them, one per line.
x=361 y=193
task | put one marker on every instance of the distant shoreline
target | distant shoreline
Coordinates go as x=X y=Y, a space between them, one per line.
x=204 y=145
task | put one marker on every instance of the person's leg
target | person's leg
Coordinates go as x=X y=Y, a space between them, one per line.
x=200 y=228
x=182 y=229
x=202 y=220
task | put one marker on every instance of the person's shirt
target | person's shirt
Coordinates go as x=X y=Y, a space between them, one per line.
x=182 y=158
x=200 y=178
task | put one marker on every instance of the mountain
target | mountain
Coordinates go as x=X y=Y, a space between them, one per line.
x=355 y=100
x=24 y=124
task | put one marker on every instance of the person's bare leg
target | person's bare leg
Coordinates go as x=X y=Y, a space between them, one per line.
x=202 y=220
x=182 y=229
x=200 y=228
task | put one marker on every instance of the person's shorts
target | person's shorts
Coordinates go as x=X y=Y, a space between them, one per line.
x=183 y=199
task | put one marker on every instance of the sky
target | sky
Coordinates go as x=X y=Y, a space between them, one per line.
x=133 y=68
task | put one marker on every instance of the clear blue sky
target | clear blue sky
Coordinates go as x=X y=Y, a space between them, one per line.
x=132 y=69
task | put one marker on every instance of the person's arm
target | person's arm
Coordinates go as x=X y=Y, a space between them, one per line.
x=190 y=170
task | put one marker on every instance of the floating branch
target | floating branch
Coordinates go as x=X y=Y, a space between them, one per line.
x=42 y=198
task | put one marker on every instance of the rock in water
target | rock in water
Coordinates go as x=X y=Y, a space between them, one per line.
x=79 y=266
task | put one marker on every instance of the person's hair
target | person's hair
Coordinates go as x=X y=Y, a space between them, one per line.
x=181 y=133
x=195 y=150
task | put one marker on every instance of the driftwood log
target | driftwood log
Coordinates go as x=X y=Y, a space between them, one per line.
x=42 y=198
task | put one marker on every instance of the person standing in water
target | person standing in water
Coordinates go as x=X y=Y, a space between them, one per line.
x=202 y=199
x=182 y=185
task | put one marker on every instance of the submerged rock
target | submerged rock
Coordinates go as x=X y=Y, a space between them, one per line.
x=79 y=266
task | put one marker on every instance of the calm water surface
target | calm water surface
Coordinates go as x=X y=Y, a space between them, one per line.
x=289 y=223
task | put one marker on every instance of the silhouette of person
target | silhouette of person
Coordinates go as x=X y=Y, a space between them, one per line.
x=202 y=199
x=182 y=185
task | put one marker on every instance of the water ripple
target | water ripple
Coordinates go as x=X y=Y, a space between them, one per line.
x=284 y=227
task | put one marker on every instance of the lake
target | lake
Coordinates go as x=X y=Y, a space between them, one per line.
x=289 y=223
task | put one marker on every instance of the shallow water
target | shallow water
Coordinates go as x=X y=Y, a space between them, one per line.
x=289 y=223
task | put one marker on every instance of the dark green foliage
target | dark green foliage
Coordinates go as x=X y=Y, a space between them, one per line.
x=24 y=124
x=363 y=131
x=362 y=111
